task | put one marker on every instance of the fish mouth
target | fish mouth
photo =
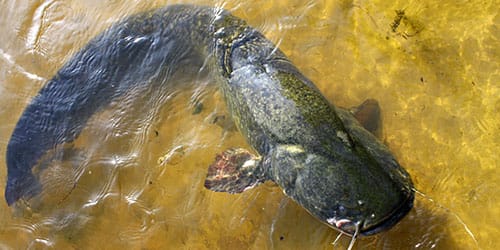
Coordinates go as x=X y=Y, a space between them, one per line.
x=392 y=218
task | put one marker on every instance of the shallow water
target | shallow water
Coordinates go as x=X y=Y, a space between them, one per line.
x=434 y=68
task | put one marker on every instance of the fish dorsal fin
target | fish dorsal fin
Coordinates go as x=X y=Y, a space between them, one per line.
x=234 y=171
x=368 y=115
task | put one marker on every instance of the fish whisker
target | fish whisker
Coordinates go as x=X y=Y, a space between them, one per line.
x=459 y=219
x=334 y=243
x=354 y=236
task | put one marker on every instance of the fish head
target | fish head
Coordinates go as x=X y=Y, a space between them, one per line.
x=355 y=193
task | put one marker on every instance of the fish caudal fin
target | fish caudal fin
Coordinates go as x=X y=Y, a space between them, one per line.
x=22 y=185
x=234 y=171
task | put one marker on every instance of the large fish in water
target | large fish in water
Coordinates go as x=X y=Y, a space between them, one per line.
x=318 y=154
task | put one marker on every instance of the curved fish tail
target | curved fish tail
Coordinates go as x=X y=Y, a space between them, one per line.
x=143 y=50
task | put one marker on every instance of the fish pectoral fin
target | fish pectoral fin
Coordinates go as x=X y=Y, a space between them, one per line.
x=234 y=171
x=368 y=115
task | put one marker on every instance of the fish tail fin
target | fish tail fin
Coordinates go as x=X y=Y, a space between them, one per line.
x=21 y=187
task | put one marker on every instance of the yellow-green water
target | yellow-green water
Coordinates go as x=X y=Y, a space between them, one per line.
x=432 y=65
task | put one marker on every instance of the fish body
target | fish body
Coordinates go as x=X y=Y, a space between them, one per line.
x=317 y=153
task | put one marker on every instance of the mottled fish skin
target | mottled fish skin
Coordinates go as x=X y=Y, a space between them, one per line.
x=318 y=154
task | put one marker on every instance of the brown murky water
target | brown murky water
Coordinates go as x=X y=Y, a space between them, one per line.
x=433 y=66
